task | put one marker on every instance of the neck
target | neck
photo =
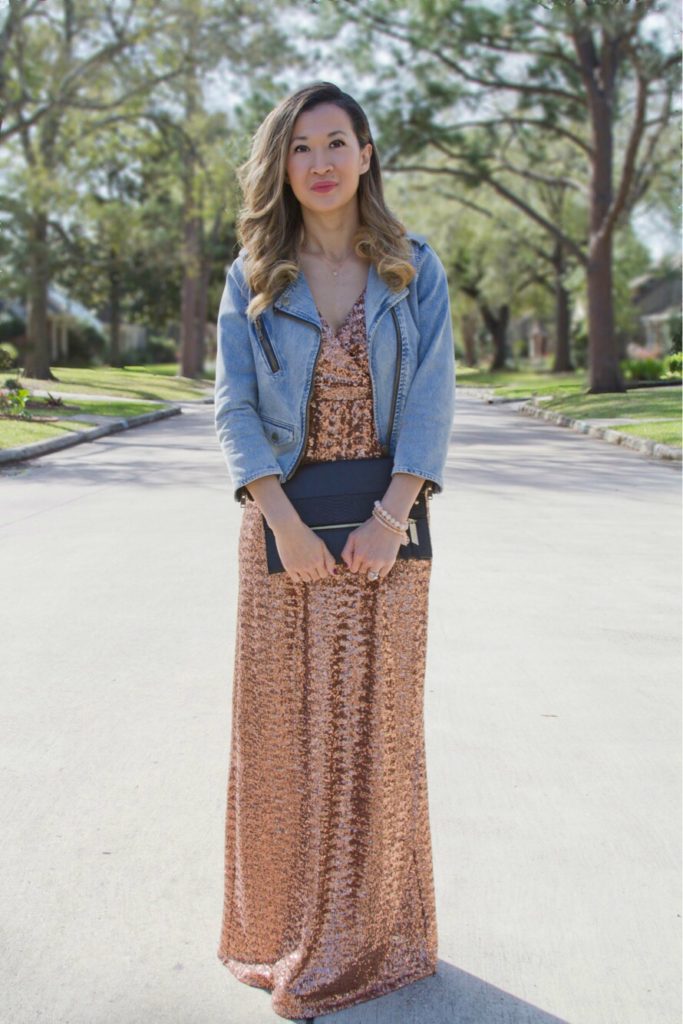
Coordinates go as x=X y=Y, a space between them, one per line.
x=330 y=234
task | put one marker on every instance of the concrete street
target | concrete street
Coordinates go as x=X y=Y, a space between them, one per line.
x=552 y=716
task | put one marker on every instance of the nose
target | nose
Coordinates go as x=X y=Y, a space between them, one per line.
x=321 y=163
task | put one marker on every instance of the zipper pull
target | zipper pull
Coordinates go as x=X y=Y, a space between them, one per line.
x=412 y=530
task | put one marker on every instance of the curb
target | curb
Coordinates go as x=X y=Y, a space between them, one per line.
x=53 y=444
x=654 y=449
x=489 y=396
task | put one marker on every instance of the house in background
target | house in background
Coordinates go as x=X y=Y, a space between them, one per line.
x=657 y=299
x=69 y=323
x=63 y=314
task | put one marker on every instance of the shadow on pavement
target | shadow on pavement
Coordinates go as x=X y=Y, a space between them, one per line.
x=451 y=996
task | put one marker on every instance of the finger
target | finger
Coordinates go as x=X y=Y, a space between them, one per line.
x=348 y=552
x=359 y=564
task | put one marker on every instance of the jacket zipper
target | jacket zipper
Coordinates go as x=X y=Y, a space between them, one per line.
x=308 y=409
x=267 y=347
x=397 y=376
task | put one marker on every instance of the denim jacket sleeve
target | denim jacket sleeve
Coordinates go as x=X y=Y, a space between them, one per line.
x=246 y=448
x=422 y=444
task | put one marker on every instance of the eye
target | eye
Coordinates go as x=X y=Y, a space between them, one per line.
x=302 y=145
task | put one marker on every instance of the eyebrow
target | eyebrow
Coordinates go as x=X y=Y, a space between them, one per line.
x=337 y=131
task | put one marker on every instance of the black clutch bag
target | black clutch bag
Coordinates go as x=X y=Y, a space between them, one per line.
x=335 y=497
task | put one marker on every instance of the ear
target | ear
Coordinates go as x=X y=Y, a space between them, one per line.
x=365 y=157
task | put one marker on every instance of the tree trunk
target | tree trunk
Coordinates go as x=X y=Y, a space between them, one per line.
x=202 y=311
x=563 y=360
x=497 y=326
x=37 y=358
x=115 y=313
x=468 y=327
x=604 y=373
x=189 y=356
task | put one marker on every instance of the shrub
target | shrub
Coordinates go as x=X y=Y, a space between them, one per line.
x=9 y=356
x=157 y=350
x=673 y=364
x=675 y=332
x=86 y=347
x=642 y=369
x=13 y=402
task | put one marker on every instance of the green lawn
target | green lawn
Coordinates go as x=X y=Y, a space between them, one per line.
x=72 y=406
x=158 y=381
x=522 y=383
x=567 y=391
x=18 y=431
x=662 y=431
x=660 y=402
x=15 y=432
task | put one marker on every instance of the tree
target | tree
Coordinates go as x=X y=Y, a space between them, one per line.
x=77 y=72
x=67 y=67
x=466 y=79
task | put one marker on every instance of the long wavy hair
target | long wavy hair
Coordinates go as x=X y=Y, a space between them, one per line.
x=270 y=222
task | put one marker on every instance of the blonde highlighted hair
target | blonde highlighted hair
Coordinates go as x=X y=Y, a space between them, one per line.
x=270 y=223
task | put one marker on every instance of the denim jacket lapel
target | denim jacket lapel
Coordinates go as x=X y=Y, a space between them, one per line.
x=297 y=300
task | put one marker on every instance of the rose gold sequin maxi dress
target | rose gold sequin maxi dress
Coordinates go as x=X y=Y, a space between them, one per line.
x=329 y=893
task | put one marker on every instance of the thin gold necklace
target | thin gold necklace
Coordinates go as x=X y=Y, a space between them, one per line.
x=335 y=270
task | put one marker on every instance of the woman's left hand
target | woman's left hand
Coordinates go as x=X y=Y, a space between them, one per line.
x=371 y=546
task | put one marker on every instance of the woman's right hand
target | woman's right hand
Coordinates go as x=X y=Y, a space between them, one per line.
x=304 y=555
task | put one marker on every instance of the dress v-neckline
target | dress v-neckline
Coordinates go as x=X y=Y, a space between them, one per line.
x=346 y=318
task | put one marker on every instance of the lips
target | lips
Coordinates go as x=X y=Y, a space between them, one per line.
x=324 y=186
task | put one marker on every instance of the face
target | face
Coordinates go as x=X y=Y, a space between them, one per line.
x=324 y=148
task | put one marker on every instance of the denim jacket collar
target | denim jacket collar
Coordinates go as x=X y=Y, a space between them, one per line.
x=297 y=299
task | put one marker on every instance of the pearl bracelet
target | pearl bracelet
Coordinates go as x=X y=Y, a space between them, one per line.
x=387 y=526
x=389 y=519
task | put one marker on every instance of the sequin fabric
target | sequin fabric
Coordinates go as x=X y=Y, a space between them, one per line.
x=329 y=892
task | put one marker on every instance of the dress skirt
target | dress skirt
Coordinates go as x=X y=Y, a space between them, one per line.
x=329 y=891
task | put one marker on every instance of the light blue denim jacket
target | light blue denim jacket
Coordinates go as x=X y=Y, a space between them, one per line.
x=265 y=369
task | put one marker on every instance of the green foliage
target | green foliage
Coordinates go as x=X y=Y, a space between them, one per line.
x=642 y=369
x=157 y=350
x=86 y=347
x=10 y=327
x=673 y=364
x=675 y=332
x=9 y=356
x=13 y=402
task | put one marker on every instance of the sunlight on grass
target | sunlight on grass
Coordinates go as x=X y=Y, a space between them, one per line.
x=133 y=382
x=663 y=431
x=640 y=402
x=14 y=433
x=120 y=410
x=521 y=383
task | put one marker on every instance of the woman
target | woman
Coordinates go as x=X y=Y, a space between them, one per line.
x=334 y=343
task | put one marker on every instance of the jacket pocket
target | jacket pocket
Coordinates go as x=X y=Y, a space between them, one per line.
x=279 y=434
x=266 y=346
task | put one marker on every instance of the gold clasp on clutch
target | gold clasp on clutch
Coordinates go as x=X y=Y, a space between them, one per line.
x=334 y=526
